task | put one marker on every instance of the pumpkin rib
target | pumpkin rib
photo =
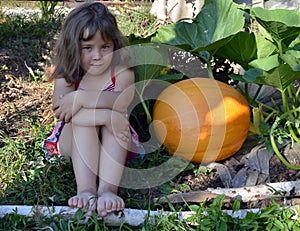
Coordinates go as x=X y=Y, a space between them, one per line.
x=202 y=115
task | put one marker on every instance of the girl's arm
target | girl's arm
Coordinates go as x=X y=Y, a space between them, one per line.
x=62 y=88
x=118 y=100
x=116 y=122
x=68 y=103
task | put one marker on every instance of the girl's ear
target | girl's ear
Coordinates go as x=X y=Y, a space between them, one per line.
x=48 y=74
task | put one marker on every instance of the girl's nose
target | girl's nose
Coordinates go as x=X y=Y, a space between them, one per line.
x=97 y=54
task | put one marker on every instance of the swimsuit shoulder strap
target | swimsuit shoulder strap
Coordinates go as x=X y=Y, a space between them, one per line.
x=77 y=85
x=112 y=75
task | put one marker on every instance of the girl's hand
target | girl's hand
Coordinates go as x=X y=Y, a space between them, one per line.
x=118 y=125
x=66 y=107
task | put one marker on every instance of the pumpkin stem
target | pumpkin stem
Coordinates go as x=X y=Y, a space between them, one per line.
x=256 y=120
x=209 y=69
x=146 y=109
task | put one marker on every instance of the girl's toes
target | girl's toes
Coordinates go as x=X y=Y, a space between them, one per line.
x=84 y=200
x=101 y=208
x=72 y=202
x=109 y=202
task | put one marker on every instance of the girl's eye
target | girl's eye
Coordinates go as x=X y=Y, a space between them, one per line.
x=86 y=48
x=105 y=47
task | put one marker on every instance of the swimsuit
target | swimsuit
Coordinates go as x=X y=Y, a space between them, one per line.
x=50 y=145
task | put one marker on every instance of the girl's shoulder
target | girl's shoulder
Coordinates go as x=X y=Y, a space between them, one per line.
x=122 y=71
x=124 y=77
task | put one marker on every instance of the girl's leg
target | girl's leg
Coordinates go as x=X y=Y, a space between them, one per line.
x=65 y=141
x=84 y=151
x=111 y=166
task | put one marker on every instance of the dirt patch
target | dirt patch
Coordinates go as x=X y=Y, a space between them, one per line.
x=22 y=100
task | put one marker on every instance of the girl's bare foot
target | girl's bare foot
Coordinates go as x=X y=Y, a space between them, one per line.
x=109 y=202
x=84 y=200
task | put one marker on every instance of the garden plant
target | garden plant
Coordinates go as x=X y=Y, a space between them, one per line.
x=265 y=44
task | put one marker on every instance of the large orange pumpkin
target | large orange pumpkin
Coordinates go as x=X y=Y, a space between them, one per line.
x=201 y=120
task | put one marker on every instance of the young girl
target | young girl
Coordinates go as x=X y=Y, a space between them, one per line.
x=92 y=90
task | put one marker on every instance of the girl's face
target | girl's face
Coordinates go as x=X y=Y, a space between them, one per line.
x=96 y=54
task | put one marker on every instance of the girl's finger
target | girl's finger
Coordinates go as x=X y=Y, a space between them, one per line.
x=67 y=118
x=54 y=107
x=57 y=114
x=62 y=116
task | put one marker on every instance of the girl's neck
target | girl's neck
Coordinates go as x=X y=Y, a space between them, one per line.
x=96 y=82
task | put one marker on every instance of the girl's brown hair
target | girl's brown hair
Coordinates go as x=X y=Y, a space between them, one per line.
x=84 y=20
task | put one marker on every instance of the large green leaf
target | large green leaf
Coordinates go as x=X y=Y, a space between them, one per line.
x=214 y=26
x=171 y=78
x=291 y=18
x=241 y=49
x=148 y=60
x=279 y=77
x=266 y=63
x=264 y=46
x=245 y=47
x=294 y=50
x=282 y=24
x=249 y=76
x=291 y=60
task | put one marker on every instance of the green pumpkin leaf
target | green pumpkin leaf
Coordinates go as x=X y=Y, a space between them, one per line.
x=133 y=39
x=148 y=61
x=211 y=30
x=264 y=46
x=282 y=24
x=240 y=49
x=245 y=47
x=279 y=77
x=294 y=49
x=171 y=78
x=296 y=68
x=251 y=74
x=267 y=63
x=291 y=60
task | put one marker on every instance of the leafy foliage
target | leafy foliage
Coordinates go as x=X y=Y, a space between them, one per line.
x=269 y=54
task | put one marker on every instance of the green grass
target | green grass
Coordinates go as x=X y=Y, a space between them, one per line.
x=136 y=21
x=28 y=179
x=206 y=217
x=25 y=4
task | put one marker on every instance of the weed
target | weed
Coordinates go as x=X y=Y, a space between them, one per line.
x=203 y=169
x=4 y=67
x=211 y=217
x=48 y=9
x=136 y=20
x=11 y=158
x=36 y=75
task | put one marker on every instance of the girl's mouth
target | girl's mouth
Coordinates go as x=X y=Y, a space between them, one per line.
x=97 y=64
